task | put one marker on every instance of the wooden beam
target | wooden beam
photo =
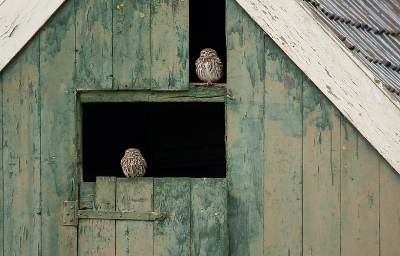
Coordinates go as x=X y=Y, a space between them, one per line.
x=350 y=86
x=197 y=94
x=19 y=21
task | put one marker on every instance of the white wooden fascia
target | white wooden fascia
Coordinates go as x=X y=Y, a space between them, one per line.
x=19 y=21
x=350 y=86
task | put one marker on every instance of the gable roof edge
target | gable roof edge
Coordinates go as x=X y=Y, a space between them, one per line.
x=347 y=83
x=20 y=20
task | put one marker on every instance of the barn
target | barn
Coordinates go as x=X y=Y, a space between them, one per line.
x=293 y=152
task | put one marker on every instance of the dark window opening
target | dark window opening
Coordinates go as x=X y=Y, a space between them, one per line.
x=206 y=30
x=176 y=139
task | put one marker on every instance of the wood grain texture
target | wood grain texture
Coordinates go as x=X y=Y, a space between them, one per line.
x=170 y=45
x=21 y=151
x=58 y=145
x=94 y=44
x=172 y=235
x=209 y=212
x=315 y=50
x=321 y=173
x=389 y=209
x=87 y=192
x=359 y=194
x=131 y=44
x=282 y=154
x=245 y=133
x=97 y=237
x=134 y=237
x=1 y=163
x=192 y=95
x=20 y=21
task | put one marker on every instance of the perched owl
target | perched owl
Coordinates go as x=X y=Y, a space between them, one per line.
x=133 y=163
x=209 y=66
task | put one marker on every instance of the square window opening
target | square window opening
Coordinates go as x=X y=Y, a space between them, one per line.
x=176 y=139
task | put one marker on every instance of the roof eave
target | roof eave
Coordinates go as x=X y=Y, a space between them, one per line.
x=346 y=82
x=20 y=20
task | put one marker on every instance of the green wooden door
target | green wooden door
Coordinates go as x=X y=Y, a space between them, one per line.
x=153 y=216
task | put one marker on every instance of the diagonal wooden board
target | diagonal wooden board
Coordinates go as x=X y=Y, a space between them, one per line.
x=19 y=21
x=350 y=86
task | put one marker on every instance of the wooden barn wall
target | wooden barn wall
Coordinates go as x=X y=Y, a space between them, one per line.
x=38 y=146
x=302 y=179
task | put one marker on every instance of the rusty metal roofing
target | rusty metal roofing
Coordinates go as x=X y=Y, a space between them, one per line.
x=371 y=30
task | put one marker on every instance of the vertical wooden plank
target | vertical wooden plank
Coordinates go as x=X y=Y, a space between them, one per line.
x=87 y=192
x=134 y=237
x=131 y=44
x=170 y=45
x=389 y=213
x=172 y=236
x=22 y=153
x=321 y=173
x=58 y=132
x=79 y=137
x=282 y=154
x=245 y=132
x=209 y=229
x=97 y=237
x=11 y=84
x=1 y=163
x=93 y=44
x=359 y=194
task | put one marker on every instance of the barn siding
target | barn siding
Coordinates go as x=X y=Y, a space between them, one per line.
x=282 y=154
x=389 y=209
x=131 y=45
x=21 y=153
x=321 y=173
x=323 y=182
x=94 y=44
x=245 y=114
x=1 y=163
x=58 y=135
x=302 y=180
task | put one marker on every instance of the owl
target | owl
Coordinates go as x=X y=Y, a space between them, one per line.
x=133 y=163
x=209 y=66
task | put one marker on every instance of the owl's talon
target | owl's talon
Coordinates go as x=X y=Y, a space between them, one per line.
x=209 y=83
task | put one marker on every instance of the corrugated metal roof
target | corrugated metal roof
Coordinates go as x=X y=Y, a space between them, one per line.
x=371 y=30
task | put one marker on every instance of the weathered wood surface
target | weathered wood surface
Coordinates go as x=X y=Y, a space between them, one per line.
x=245 y=133
x=87 y=192
x=21 y=151
x=131 y=44
x=134 y=237
x=195 y=223
x=94 y=44
x=170 y=45
x=20 y=20
x=209 y=229
x=172 y=236
x=266 y=110
x=315 y=51
x=359 y=194
x=2 y=83
x=97 y=237
x=321 y=173
x=197 y=94
x=389 y=209
x=57 y=118
x=283 y=156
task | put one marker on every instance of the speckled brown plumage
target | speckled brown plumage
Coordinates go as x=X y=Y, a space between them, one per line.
x=133 y=163
x=209 y=67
